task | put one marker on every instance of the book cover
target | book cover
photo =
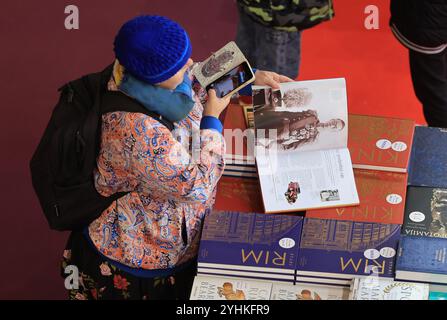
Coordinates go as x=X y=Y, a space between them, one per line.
x=382 y=199
x=426 y=212
x=373 y=288
x=380 y=143
x=301 y=146
x=238 y=194
x=227 y=288
x=345 y=249
x=226 y=71
x=243 y=170
x=284 y=291
x=250 y=242
x=422 y=259
x=428 y=163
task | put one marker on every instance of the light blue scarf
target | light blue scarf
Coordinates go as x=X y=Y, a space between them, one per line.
x=174 y=105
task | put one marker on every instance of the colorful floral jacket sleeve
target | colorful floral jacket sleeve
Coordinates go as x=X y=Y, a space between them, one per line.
x=183 y=165
x=160 y=164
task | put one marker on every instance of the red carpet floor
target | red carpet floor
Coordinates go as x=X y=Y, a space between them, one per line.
x=374 y=64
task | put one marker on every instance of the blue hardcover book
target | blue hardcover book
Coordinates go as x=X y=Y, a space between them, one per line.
x=422 y=259
x=335 y=249
x=428 y=160
x=426 y=212
x=250 y=244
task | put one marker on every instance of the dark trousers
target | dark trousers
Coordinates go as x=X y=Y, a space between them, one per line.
x=269 y=49
x=429 y=75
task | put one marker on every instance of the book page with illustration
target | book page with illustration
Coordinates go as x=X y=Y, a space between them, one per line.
x=301 y=145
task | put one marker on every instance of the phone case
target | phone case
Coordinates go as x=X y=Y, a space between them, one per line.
x=220 y=63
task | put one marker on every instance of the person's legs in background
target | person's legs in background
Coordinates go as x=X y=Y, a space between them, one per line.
x=429 y=75
x=269 y=49
x=245 y=39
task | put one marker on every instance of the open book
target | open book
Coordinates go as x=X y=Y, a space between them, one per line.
x=301 y=146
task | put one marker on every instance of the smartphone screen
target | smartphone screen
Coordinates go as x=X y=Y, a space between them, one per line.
x=231 y=80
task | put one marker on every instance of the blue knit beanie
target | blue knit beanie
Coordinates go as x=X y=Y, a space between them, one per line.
x=152 y=48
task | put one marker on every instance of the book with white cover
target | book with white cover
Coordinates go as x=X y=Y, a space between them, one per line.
x=301 y=147
x=284 y=291
x=229 y=288
x=374 y=288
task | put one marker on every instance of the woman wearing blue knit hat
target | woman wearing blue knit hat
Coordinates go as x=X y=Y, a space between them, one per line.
x=144 y=245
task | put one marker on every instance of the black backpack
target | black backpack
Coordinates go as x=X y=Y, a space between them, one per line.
x=62 y=166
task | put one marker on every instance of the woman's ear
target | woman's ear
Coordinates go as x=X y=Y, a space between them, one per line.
x=118 y=72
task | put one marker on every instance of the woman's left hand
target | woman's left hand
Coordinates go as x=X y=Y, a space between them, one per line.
x=269 y=78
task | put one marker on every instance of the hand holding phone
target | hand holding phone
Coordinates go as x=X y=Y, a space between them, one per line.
x=232 y=81
x=215 y=105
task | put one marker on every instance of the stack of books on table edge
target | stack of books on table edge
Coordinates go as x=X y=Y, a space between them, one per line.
x=239 y=140
x=422 y=254
x=373 y=288
x=250 y=245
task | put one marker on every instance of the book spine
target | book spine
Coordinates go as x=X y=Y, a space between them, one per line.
x=247 y=275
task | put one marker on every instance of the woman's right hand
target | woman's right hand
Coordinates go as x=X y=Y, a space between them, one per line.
x=214 y=106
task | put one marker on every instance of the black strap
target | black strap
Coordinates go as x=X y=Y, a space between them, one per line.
x=113 y=101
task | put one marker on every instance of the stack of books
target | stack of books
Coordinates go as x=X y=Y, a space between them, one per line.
x=380 y=143
x=375 y=204
x=250 y=245
x=335 y=251
x=382 y=199
x=379 y=148
x=233 y=288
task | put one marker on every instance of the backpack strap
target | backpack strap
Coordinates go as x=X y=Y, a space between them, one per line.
x=117 y=101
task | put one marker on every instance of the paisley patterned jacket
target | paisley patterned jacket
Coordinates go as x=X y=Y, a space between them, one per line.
x=157 y=225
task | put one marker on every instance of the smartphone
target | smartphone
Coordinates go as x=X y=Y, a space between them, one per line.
x=232 y=81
